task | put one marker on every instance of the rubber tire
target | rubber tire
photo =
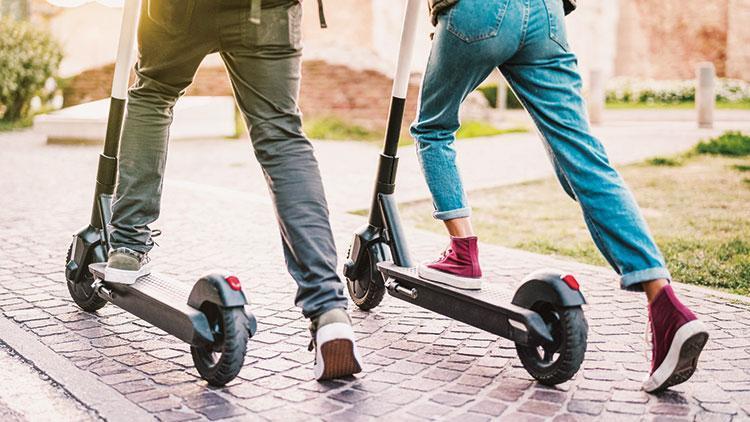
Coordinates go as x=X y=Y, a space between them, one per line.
x=375 y=290
x=218 y=373
x=89 y=302
x=574 y=330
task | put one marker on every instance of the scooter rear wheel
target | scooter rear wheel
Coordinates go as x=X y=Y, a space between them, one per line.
x=368 y=290
x=559 y=361
x=220 y=362
x=81 y=292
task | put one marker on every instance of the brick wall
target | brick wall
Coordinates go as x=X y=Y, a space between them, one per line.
x=358 y=96
x=665 y=39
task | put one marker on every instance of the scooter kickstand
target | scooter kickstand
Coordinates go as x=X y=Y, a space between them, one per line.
x=105 y=293
x=392 y=285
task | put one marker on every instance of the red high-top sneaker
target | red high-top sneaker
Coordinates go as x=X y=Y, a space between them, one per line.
x=678 y=339
x=458 y=266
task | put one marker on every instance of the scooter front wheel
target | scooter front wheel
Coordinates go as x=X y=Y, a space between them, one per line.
x=368 y=289
x=557 y=362
x=81 y=292
x=220 y=362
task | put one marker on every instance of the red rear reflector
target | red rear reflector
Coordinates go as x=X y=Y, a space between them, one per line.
x=234 y=282
x=571 y=282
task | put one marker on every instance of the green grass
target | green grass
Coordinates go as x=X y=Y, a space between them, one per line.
x=15 y=125
x=334 y=128
x=697 y=211
x=665 y=161
x=733 y=144
x=476 y=129
x=740 y=167
x=619 y=105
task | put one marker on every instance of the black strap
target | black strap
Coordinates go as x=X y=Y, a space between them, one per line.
x=322 y=15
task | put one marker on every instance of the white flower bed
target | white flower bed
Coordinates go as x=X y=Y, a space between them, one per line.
x=630 y=90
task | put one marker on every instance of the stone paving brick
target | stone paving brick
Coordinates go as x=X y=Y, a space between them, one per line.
x=539 y=408
x=489 y=407
x=418 y=364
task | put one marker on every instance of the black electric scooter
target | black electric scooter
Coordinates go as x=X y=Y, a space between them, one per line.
x=213 y=316
x=544 y=316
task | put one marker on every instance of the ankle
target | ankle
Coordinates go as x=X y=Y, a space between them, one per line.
x=653 y=288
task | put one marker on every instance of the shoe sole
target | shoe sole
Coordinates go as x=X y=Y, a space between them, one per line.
x=682 y=358
x=337 y=355
x=113 y=275
x=464 y=283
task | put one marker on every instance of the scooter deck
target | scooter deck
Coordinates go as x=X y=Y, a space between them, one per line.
x=489 y=309
x=160 y=301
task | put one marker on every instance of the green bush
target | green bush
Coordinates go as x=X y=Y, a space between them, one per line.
x=732 y=144
x=664 y=161
x=29 y=56
x=490 y=93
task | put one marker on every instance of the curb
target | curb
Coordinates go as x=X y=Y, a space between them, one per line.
x=83 y=386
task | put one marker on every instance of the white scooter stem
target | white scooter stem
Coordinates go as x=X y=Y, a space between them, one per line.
x=125 y=48
x=406 y=49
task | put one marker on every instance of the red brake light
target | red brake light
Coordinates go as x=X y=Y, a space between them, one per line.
x=234 y=282
x=571 y=282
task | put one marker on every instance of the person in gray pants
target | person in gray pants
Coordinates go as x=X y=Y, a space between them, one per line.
x=261 y=48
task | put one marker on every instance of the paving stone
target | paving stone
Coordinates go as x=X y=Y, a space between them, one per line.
x=539 y=408
x=489 y=407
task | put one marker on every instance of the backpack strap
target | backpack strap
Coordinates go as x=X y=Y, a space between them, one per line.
x=322 y=15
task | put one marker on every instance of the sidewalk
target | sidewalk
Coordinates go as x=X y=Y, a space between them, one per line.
x=418 y=365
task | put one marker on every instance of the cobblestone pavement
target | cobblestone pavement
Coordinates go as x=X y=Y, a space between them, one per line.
x=418 y=364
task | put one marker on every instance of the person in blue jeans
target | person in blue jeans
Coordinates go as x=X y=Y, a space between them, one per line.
x=526 y=40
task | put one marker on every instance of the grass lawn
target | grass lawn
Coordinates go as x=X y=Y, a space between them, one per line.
x=698 y=208
x=335 y=129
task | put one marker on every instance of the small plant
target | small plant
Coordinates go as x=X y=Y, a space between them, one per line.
x=29 y=59
x=732 y=144
x=664 y=161
x=741 y=167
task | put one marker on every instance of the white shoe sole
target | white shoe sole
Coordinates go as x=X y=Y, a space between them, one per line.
x=113 y=275
x=336 y=354
x=682 y=358
x=458 y=282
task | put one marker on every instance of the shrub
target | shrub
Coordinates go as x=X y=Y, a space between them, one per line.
x=490 y=93
x=649 y=91
x=29 y=57
x=664 y=161
x=733 y=144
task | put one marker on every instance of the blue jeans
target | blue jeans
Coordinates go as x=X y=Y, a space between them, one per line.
x=526 y=40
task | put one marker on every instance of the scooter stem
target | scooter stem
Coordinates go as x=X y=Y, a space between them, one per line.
x=388 y=163
x=107 y=169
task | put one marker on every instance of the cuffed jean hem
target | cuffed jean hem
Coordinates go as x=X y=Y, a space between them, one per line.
x=452 y=214
x=632 y=281
x=325 y=308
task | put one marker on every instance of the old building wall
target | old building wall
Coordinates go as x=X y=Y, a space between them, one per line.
x=738 y=40
x=665 y=39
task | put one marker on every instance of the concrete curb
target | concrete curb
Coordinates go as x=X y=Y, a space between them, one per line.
x=85 y=387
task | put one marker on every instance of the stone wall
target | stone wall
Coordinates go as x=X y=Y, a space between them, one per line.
x=357 y=96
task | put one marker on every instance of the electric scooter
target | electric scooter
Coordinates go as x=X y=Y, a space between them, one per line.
x=212 y=316
x=543 y=317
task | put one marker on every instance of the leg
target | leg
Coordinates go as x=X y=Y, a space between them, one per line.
x=549 y=88
x=462 y=57
x=166 y=65
x=545 y=78
x=266 y=85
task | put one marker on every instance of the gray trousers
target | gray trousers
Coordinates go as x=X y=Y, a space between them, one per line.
x=263 y=62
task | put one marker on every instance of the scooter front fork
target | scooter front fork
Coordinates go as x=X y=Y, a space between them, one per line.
x=367 y=249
